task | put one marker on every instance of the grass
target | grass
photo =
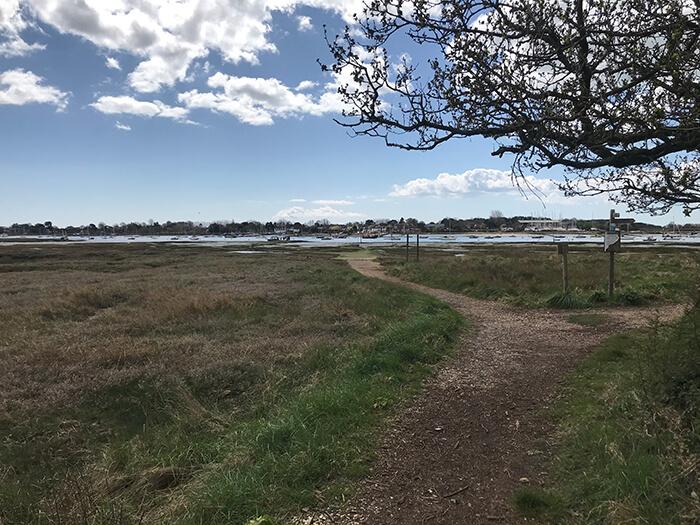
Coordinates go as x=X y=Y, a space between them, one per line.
x=166 y=384
x=532 y=275
x=629 y=434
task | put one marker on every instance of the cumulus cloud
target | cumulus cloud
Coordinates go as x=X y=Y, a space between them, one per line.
x=167 y=35
x=121 y=126
x=130 y=106
x=301 y=214
x=172 y=40
x=467 y=183
x=333 y=203
x=12 y=23
x=16 y=47
x=256 y=101
x=305 y=84
x=485 y=181
x=113 y=63
x=304 y=23
x=24 y=87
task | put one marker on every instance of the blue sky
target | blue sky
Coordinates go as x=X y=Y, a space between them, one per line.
x=206 y=110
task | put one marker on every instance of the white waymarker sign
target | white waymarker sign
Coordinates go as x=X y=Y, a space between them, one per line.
x=612 y=241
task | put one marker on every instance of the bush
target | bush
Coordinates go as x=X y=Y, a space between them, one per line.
x=565 y=300
x=598 y=297
x=630 y=298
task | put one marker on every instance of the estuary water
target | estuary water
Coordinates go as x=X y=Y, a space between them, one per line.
x=452 y=239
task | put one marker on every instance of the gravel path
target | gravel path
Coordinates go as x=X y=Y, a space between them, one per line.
x=475 y=434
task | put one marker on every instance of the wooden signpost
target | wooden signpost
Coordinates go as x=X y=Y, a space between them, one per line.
x=563 y=250
x=613 y=243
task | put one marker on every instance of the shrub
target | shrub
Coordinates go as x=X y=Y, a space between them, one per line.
x=630 y=298
x=565 y=300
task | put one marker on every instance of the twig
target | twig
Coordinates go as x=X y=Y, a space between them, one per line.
x=458 y=491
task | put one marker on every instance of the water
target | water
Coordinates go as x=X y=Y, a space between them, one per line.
x=456 y=239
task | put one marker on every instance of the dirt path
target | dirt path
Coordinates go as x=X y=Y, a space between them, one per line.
x=475 y=433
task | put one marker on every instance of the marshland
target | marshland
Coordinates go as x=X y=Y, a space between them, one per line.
x=157 y=383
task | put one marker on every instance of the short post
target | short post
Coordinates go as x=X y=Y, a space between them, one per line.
x=417 y=247
x=612 y=244
x=563 y=250
x=407 y=247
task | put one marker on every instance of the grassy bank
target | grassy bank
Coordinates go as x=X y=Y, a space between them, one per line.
x=629 y=434
x=532 y=275
x=165 y=384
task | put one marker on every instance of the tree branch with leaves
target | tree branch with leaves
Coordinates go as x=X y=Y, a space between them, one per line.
x=607 y=89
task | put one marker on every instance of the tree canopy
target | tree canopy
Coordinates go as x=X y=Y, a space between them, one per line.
x=607 y=89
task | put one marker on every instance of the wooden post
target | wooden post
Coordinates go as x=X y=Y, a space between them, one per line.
x=611 y=275
x=407 y=247
x=563 y=249
x=417 y=247
x=612 y=249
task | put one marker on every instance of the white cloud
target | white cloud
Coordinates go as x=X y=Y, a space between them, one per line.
x=173 y=38
x=305 y=84
x=305 y=23
x=167 y=35
x=486 y=181
x=113 y=63
x=130 y=106
x=121 y=126
x=297 y=200
x=301 y=214
x=16 y=47
x=333 y=203
x=469 y=182
x=256 y=101
x=24 y=87
x=12 y=23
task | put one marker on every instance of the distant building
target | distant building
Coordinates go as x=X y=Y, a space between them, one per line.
x=536 y=225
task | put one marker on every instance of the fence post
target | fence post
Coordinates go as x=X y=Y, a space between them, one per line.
x=563 y=250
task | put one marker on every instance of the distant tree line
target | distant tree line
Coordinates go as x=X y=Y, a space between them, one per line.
x=495 y=222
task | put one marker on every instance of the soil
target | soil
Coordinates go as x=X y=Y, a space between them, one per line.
x=476 y=433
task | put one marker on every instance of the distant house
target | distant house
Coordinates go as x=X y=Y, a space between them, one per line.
x=536 y=225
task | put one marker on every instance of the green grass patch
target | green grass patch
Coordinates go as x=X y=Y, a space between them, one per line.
x=629 y=432
x=532 y=275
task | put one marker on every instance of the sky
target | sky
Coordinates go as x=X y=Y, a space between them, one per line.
x=217 y=110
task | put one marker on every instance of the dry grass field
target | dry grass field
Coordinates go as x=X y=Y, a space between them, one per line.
x=165 y=384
